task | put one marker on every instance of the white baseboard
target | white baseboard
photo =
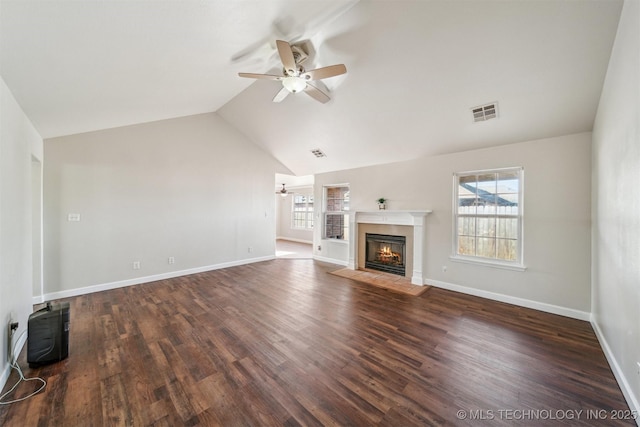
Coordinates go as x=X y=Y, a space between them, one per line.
x=536 y=305
x=330 y=260
x=632 y=400
x=139 y=280
x=7 y=369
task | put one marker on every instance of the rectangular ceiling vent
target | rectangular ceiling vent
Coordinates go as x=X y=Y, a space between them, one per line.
x=486 y=112
x=318 y=152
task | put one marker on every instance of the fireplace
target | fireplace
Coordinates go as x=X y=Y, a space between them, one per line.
x=410 y=224
x=385 y=253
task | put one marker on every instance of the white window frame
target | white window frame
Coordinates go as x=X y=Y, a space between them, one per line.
x=328 y=211
x=518 y=263
x=308 y=217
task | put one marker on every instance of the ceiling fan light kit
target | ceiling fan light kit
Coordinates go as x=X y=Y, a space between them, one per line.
x=294 y=77
x=294 y=84
x=284 y=192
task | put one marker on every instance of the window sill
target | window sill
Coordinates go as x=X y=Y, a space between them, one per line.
x=341 y=241
x=488 y=263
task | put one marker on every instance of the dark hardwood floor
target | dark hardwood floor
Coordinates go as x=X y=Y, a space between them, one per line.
x=284 y=343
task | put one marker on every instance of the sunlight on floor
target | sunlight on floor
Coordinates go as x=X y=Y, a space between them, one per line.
x=294 y=250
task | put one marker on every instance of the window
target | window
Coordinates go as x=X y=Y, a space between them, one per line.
x=336 y=212
x=488 y=217
x=302 y=211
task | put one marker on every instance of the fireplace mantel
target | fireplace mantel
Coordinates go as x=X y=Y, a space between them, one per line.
x=413 y=218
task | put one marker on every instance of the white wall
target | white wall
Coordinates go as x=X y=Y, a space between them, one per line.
x=20 y=144
x=283 y=215
x=616 y=208
x=191 y=188
x=556 y=219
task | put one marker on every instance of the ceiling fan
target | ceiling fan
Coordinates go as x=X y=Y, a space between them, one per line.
x=295 y=78
x=284 y=192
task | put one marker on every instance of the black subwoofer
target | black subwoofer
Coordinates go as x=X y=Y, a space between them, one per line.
x=48 y=335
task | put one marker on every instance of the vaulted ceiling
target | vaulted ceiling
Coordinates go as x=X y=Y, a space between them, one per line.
x=415 y=70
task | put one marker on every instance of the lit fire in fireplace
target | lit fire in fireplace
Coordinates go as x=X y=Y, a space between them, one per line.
x=385 y=253
x=386 y=256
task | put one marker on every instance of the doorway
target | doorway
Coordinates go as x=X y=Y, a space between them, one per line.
x=295 y=216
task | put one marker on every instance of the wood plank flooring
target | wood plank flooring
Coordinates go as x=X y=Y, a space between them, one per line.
x=284 y=343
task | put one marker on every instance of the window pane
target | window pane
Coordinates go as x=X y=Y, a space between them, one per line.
x=333 y=227
x=487 y=205
x=469 y=181
x=507 y=249
x=507 y=228
x=487 y=201
x=487 y=183
x=334 y=205
x=337 y=199
x=466 y=201
x=336 y=226
x=507 y=204
x=466 y=226
x=486 y=247
x=508 y=182
x=486 y=227
x=466 y=246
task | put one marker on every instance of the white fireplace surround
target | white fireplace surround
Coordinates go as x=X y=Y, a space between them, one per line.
x=414 y=219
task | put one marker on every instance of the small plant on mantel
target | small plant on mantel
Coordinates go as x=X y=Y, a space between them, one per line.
x=382 y=203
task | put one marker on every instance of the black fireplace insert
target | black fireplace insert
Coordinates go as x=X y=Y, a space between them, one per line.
x=385 y=253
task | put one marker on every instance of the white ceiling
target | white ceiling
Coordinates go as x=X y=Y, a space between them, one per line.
x=415 y=68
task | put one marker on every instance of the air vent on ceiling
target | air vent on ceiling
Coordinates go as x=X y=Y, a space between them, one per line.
x=485 y=112
x=318 y=152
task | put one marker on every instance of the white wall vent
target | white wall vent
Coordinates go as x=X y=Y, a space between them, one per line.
x=318 y=152
x=485 y=112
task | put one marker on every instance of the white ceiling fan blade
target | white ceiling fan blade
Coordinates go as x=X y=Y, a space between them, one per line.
x=282 y=94
x=286 y=56
x=260 y=76
x=325 y=72
x=316 y=93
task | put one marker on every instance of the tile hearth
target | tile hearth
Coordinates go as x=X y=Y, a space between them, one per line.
x=393 y=282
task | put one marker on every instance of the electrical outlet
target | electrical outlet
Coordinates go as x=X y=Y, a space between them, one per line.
x=319 y=248
x=250 y=249
x=444 y=268
x=171 y=260
x=638 y=370
x=136 y=265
